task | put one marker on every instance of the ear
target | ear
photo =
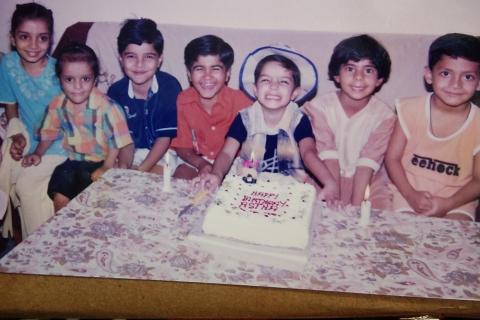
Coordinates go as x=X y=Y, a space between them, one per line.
x=336 y=78
x=295 y=93
x=228 y=73
x=427 y=74
x=379 y=82
x=254 y=89
x=12 y=40
x=160 y=59
x=189 y=75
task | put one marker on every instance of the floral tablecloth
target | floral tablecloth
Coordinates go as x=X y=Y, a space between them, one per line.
x=125 y=226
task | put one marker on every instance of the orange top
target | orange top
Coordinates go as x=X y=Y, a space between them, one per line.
x=202 y=131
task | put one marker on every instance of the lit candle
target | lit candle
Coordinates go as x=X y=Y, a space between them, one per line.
x=365 y=209
x=167 y=176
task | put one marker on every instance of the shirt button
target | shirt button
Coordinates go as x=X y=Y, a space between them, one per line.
x=212 y=153
x=213 y=128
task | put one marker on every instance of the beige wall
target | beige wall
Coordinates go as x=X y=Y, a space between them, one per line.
x=386 y=16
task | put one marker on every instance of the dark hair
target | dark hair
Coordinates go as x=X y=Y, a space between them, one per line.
x=138 y=31
x=357 y=48
x=454 y=45
x=284 y=62
x=208 y=45
x=31 y=11
x=77 y=52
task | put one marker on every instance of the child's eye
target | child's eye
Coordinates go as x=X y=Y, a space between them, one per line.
x=285 y=82
x=349 y=68
x=264 y=80
x=217 y=68
x=23 y=37
x=129 y=56
x=44 y=38
x=150 y=56
x=86 y=78
x=470 y=77
x=444 y=73
x=370 y=70
x=68 y=79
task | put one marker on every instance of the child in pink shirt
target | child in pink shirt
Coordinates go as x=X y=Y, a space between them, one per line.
x=351 y=126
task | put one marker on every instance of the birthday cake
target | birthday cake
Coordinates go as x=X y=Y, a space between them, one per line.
x=273 y=210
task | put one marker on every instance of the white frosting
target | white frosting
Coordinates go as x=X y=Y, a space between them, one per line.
x=275 y=211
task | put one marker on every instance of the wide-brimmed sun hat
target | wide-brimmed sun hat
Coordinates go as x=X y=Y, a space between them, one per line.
x=308 y=72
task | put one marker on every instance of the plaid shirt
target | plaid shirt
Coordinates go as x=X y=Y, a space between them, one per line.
x=89 y=132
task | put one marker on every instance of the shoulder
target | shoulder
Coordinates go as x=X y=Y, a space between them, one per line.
x=407 y=104
x=57 y=102
x=166 y=79
x=380 y=108
x=10 y=61
x=118 y=88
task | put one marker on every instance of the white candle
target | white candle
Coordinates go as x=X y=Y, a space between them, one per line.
x=167 y=176
x=365 y=209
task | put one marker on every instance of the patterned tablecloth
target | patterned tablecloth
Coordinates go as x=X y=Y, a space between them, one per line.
x=125 y=226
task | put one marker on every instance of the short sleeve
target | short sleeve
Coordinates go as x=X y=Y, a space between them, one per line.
x=237 y=130
x=165 y=116
x=116 y=121
x=51 y=125
x=303 y=130
x=6 y=92
x=374 y=150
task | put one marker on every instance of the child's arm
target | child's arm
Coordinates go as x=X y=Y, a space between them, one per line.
x=308 y=152
x=125 y=156
x=18 y=141
x=360 y=181
x=36 y=157
x=223 y=162
x=156 y=153
x=466 y=194
x=419 y=201
x=108 y=163
x=191 y=157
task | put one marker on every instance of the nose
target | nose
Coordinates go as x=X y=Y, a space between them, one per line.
x=358 y=74
x=77 y=84
x=456 y=82
x=274 y=84
x=139 y=62
x=33 y=42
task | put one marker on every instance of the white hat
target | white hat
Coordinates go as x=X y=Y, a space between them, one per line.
x=308 y=72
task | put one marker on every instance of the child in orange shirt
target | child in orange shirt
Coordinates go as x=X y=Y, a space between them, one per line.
x=434 y=154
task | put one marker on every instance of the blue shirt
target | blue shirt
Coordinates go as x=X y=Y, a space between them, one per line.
x=32 y=96
x=154 y=117
x=238 y=131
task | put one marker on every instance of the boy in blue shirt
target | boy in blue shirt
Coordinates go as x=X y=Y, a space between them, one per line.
x=147 y=95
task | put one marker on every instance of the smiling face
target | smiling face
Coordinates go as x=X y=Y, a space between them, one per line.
x=275 y=87
x=140 y=62
x=454 y=81
x=358 y=81
x=77 y=80
x=208 y=76
x=32 y=41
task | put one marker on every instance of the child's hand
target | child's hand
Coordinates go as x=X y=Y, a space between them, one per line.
x=31 y=159
x=420 y=201
x=205 y=169
x=439 y=207
x=207 y=181
x=331 y=194
x=98 y=173
x=18 y=144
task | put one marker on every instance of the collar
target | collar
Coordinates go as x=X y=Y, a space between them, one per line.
x=153 y=87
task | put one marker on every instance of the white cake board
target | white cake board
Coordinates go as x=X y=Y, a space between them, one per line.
x=282 y=258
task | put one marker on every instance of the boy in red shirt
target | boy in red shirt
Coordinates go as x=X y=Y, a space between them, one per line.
x=207 y=108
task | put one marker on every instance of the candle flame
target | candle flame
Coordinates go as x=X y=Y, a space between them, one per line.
x=252 y=155
x=367 y=193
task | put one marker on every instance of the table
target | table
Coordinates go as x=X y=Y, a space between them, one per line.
x=124 y=227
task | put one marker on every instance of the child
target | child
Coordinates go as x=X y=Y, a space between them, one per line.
x=271 y=128
x=352 y=127
x=206 y=109
x=27 y=85
x=93 y=126
x=434 y=154
x=148 y=96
